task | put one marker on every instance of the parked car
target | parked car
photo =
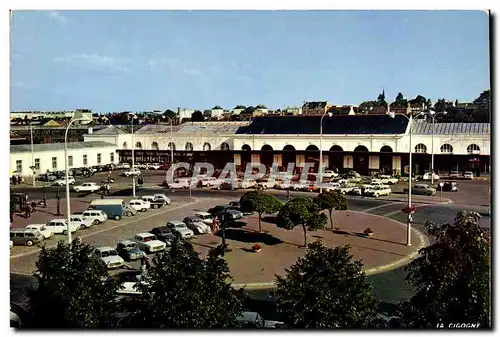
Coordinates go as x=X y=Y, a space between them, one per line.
x=162 y=197
x=97 y=216
x=164 y=234
x=330 y=174
x=123 y=166
x=421 y=189
x=205 y=217
x=26 y=237
x=154 y=166
x=449 y=186
x=132 y=172
x=62 y=182
x=229 y=184
x=130 y=211
x=301 y=185
x=378 y=191
x=87 y=187
x=231 y=214
x=328 y=187
x=356 y=191
x=84 y=221
x=109 y=256
x=196 y=225
x=251 y=319
x=429 y=175
x=454 y=174
x=114 y=208
x=140 y=205
x=248 y=183
x=468 y=175
x=129 y=250
x=47 y=233
x=154 y=203
x=59 y=226
x=148 y=243
x=208 y=181
x=180 y=183
x=218 y=209
x=387 y=179
x=266 y=183
x=180 y=228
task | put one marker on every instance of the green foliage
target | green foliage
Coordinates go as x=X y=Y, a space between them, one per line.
x=73 y=289
x=381 y=99
x=330 y=201
x=451 y=277
x=301 y=211
x=183 y=291
x=170 y=113
x=197 y=116
x=326 y=289
x=260 y=202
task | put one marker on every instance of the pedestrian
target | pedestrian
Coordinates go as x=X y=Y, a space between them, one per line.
x=28 y=211
x=107 y=189
x=14 y=180
x=33 y=206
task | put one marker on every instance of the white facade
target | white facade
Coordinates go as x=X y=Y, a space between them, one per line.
x=185 y=113
x=217 y=113
x=51 y=158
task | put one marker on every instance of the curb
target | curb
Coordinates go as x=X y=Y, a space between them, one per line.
x=445 y=201
x=424 y=242
x=193 y=201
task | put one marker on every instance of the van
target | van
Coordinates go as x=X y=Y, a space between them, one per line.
x=26 y=237
x=114 y=208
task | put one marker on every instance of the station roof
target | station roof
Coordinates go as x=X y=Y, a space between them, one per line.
x=57 y=146
x=355 y=125
x=422 y=127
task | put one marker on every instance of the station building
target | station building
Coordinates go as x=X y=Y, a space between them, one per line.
x=365 y=143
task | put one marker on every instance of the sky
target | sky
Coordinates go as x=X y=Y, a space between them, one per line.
x=156 y=60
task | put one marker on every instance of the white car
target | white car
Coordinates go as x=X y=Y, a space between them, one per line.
x=248 y=183
x=197 y=225
x=330 y=174
x=83 y=220
x=376 y=182
x=429 y=175
x=468 y=175
x=59 y=226
x=123 y=166
x=148 y=243
x=300 y=186
x=154 y=166
x=162 y=197
x=47 y=233
x=109 y=256
x=181 y=228
x=284 y=185
x=387 y=179
x=87 y=187
x=179 y=183
x=97 y=216
x=209 y=181
x=378 y=191
x=62 y=182
x=331 y=186
x=140 y=205
x=205 y=217
x=132 y=172
x=266 y=183
x=356 y=191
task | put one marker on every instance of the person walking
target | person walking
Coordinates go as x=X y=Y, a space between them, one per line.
x=28 y=211
x=14 y=180
x=33 y=206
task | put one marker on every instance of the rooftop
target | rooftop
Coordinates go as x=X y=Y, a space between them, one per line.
x=422 y=127
x=111 y=130
x=370 y=124
x=57 y=146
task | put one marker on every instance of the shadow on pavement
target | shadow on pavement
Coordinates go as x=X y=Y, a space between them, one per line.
x=269 y=219
x=250 y=237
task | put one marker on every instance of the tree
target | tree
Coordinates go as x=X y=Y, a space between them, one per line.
x=197 y=116
x=484 y=99
x=260 y=202
x=326 y=289
x=183 y=291
x=330 y=201
x=301 y=212
x=73 y=289
x=451 y=277
x=381 y=99
x=170 y=113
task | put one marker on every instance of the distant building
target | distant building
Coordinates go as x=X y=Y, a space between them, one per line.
x=293 y=110
x=184 y=113
x=260 y=110
x=315 y=108
x=217 y=112
x=238 y=109
x=38 y=115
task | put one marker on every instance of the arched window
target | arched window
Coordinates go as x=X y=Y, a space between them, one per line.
x=266 y=148
x=312 y=148
x=289 y=148
x=171 y=146
x=246 y=147
x=386 y=148
x=154 y=146
x=336 y=148
x=189 y=147
x=138 y=145
x=360 y=148
x=124 y=145
x=207 y=147
x=446 y=148
x=224 y=146
x=473 y=149
x=420 y=148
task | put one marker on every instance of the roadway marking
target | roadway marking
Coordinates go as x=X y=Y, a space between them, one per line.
x=111 y=228
x=399 y=211
x=380 y=206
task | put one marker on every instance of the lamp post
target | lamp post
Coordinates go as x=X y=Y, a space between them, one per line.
x=433 y=115
x=410 y=153
x=321 y=151
x=77 y=117
x=32 y=151
x=171 y=144
x=133 y=157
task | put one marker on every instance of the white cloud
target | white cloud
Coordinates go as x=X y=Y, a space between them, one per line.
x=95 y=61
x=56 y=16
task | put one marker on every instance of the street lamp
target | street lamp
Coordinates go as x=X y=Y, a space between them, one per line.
x=32 y=167
x=171 y=144
x=77 y=117
x=410 y=153
x=329 y=114
x=433 y=115
x=133 y=157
